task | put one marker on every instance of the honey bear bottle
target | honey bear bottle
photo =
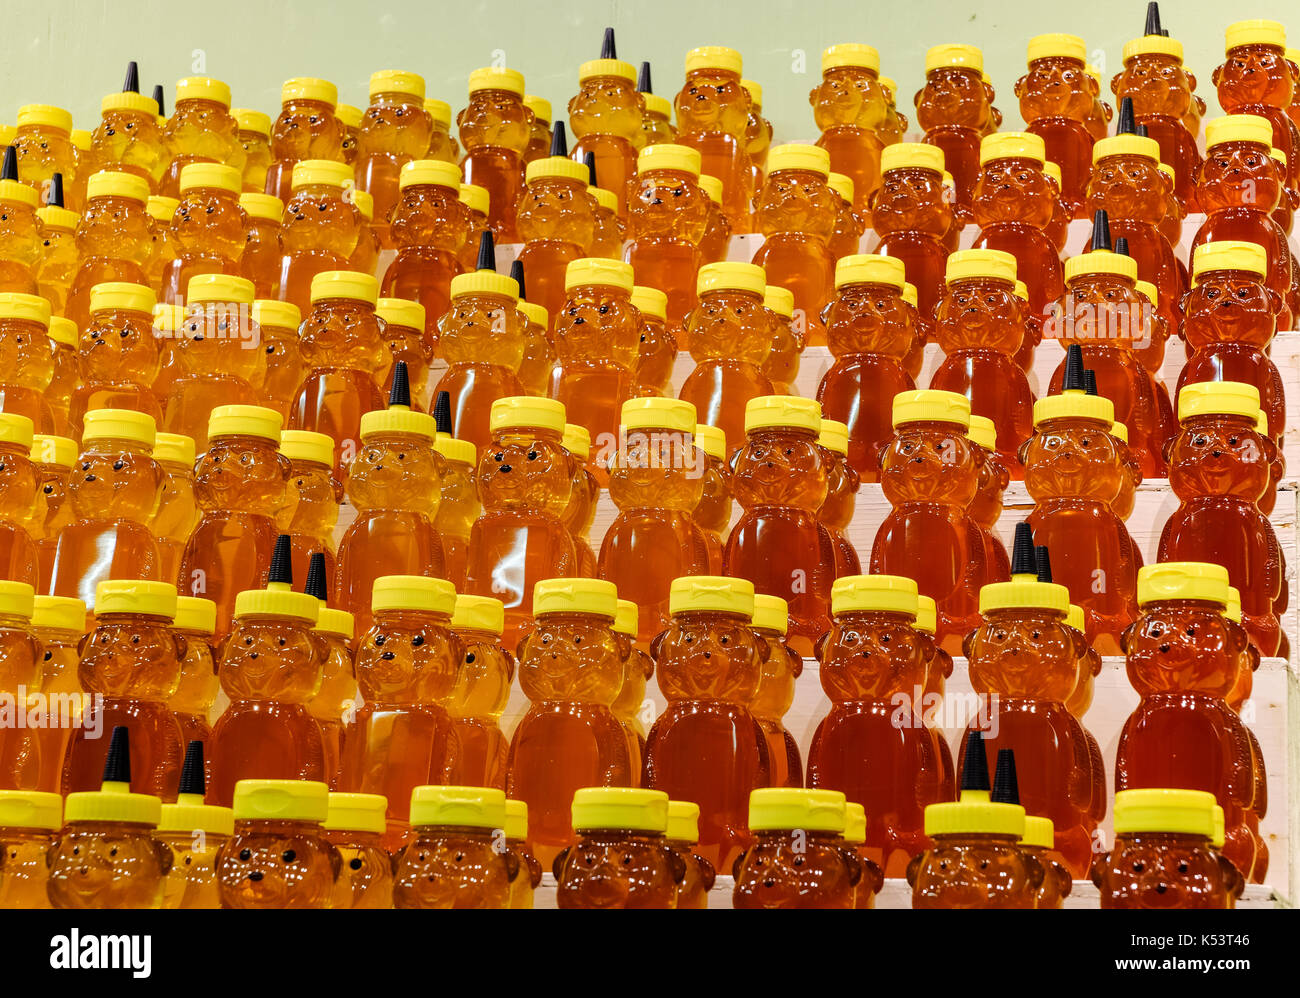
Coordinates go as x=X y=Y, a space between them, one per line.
x=597 y=334
x=200 y=130
x=19 y=501
x=310 y=126
x=846 y=237
x=279 y=856
x=24 y=340
x=798 y=858
x=712 y=113
x=730 y=337
x=583 y=495
x=1039 y=841
x=310 y=512
x=912 y=216
x=20 y=685
x=59 y=623
x=355 y=826
x=682 y=834
x=979 y=328
x=334 y=703
x=207 y=227
x=870 y=331
x=986 y=507
x=255 y=139
x=271 y=665
x=710 y=665
x=52 y=459
x=668 y=214
x=938 y=671
x=459 y=505
x=112 y=495
x=260 y=261
x=1163 y=857
x=277 y=324
x=606 y=116
x=657 y=126
x=713 y=513
x=60 y=259
x=875 y=745
x=132 y=661
x=530 y=870
x=1024 y=663
x=855 y=837
x=475 y=200
x=192 y=700
x=494 y=129
x=539 y=133
x=794 y=209
x=657 y=352
x=788 y=340
x=1218 y=468
x=1012 y=204
x=162 y=241
x=113 y=237
x=654 y=481
x=850 y=109
x=976 y=860
x=1073 y=472
x=929 y=475
x=758 y=133
x=1057 y=96
x=570 y=668
x=321 y=230
x=955 y=109
x=43 y=143
x=1256 y=79
x=842 y=484
x=717 y=231
x=128 y=138
x=781 y=666
x=395 y=130
x=393 y=485
x=638 y=667
x=539 y=354
x=107 y=857
x=482 y=690
x=30 y=821
x=778 y=543
x=620 y=857
x=524 y=484
x=118 y=355
x=67 y=374
x=458 y=857
x=193 y=832
x=21 y=229
x=239 y=482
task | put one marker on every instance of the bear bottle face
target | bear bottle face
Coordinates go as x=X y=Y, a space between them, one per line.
x=486 y=329
x=1175 y=648
x=787 y=869
x=1012 y=190
x=1254 y=74
x=1239 y=174
x=272 y=658
x=520 y=471
x=1022 y=653
x=657 y=468
x=1218 y=456
x=848 y=96
x=667 y=205
x=603 y=871
x=873 y=656
x=596 y=324
x=557 y=208
x=484 y=677
x=795 y=201
x=1229 y=308
x=976 y=874
x=911 y=200
x=1157 y=84
x=237 y=474
x=712 y=102
x=980 y=314
x=1079 y=460
x=21 y=659
x=1128 y=187
x=842 y=484
x=289 y=867
x=218 y=337
x=442 y=869
x=395 y=127
x=113 y=227
x=408 y=657
x=128 y=656
x=929 y=463
x=363 y=869
x=209 y=222
x=306 y=130
x=870 y=318
x=117 y=485
x=110 y=867
x=729 y=325
x=1162 y=872
x=118 y=345
x=606 y=105
x=1056 y=88
x=571 y=657
x=953 y=96
x=18 y=482
x=709 y=656
x=396 y=471
x=779 y=468
x=429 y=216
x=318 y=217
x=495 y=118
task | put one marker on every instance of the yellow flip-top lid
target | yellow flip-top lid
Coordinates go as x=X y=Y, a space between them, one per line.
x=281 y=800
x=107 y=184
x=16 y=429
x=413 y=592
x=16 y=599
x=203 y=88
x=307 y=445
x=1125 y=145
x=656 y=105
x=356 y=813
x=479 y=613
x=276 y=314
x=112 y=802
x=1101 y=262
x=855 y=823
x=309 y=88
x=1218 y=398
x=980 y=263
x=598 y=272
x=731 y=277
x=128 y=101
x=277 y=600
x=711 y=594
x=596 y=68
x=870 y=268
x=119 y=424
x=1181 y=812
x=244 y=420
x=397 y=81
x=1232 y=610
x=1012 y=145
x=204 y=288
x=683 y=822
x=54 y=217
x=1254 y=32
x=1039 y=833
x=1074 y=405
x=975 y=814
x=484 y=282
x=668 y=156
x=161 y=209
x=1147 y=289
x=793 y=156
x=458 y=451
x=450 y=807
x=620 y=808
x=912 y=156
x=944 y=56
x=983 y=432
x=398 y=419
x=874 y=593
x=779 y=809
x=189 y=814
x=25 y=308
x=535 y=314
x=63 y=331
x=1025 y=594
x=350 y=285
x=121 y=295
x=594 y=596
x=153 y=599
x=516 y=820
x=527 y=411
x=1229 y=254
x=59 y=452
x=336 y=622
x=650 y=301
x=16 y=192
x=782 y=412
x=927 y=615
x=1056 y=45
x=842 y=185
x=853 y=55
x=193 y=613
x=31 y=809
x=214 y=176
x=659 y=414
x=431 y=172
x=321 y=172
x=627 y=618
x=1182 y=580
x=1152 y=45
x=834 y=436
x=1238 y=128
x=605 y=200
x=890 y=86
x=779 y=300
x=711 y=440
x=497 y=78
x=926 y=406
x=557 y=168
x=714 y=57
x=771 y=613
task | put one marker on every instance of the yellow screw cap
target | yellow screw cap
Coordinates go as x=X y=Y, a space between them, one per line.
x=771 y=613
x=476 y=198
x=16 y=430
x=683 y=822
x=336 y=622
x=870 y=268
x=31 y=809
x=365 y=203
x=245 y=421
x=540 y=107
x=276 y=314
x=1074 y=405
x=605 y=200
x=535 y=314
x=874 y=593
x=1232 y=610
x=620 y=808
x=281 y=800
x=438 y=110
x=219 y=288
x=855 y=823
x=45 y=116
x=1181 y=812
x=783 y=411
x=667 y=156
x=850 y=55
x=911 y=156
x=650 y=301
x=834 y=436
x=1012 y=145
x=58 y=452
x=1039 y=833
x=842 y=185
x=357 y=813
x=1218 y=398
x=350 y=115
x=458 y=451
x=779 y=300
x=1229 y=255
x=714 y=57
x=711 y=186
x=597 y=272
x=25 y=308
x=120 y=295
x=16 y=599
x=594 y=596
x=1238 y=128
x=1101 y=262
x=980 y=263
x=927 y=615
x=963 y=56
x=597 y=68
x=349 y=285
x=195 y=614
x=516 y=820
x=413 y=592
x=309 y=88
x=63 y=331
x=430 y=172
x=215 y=176
x=975 y=814
x=792 y=156
x=983 y=432
x=153 y=599
x=478 y=613
x=161 y=209
x=307 y=445
x=203 y=88
x=556 y=167
x=119 y=424
x=1218 y=828
x=626 y=618
x=189 y=814
x=1254 y=32
x=106 y=184
x=779 y=809
x=927 y=406
x=711 y=440
x=1152 y=45
x=469 y=807
x=527 y=412
x=1182 y=580
x=711 y=594
x=321 y=173
x=497 y=78
x=731 y=277
x=397 y=81
x=658 y=414
x=1056 y=46
x=1125 y=145
x=15 y=192
x=276 y=602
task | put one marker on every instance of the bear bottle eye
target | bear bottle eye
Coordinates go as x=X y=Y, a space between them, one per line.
x=1139 y=866
x=289 y=856
x=245 y=855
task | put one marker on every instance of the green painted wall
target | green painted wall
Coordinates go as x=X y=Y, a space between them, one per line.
x=71 y=53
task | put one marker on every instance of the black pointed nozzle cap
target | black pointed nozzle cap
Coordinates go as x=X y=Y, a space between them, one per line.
x=1121 y=246
x=559 y=140
x=487 y=251
x=442 y=412
x=192 y=778
x=117 y=767
x=9 y=171
x=607 y=49
x=1022 y=551
x=1089 y=381
x=643 y=79
x=1126 y=123
x=975 y=767
x=517 y=275
x=317 y=584
x=281 y=562
x=1142 y=132
x=400 y=393
x=1044 y=561
x=1153 y=20
x=131 y=85
x=589 y=160
x=1006 y=790
x=1072 y=378
x=55 y=196
x=158 y=97
x=1100 y=230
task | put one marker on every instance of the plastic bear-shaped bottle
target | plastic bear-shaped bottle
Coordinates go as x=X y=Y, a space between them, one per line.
x=781 y=666
x=255 y=138
x=717 y=232
x=60 y=258
x=128 y=138
x=620 y=857
x=162 y=240
x=459 y=506
x=43 y=143
x=475 y=200
x=606 y=116
x=1256 y=78
x=207 y=228
x=28 y=359
x=530 y=870
x=584 y=493
x=21 y=760
x=657 y=124
x=850 y=109
x=118 y=354
x=1024 y=664
x=709 y=664
x=335 y=701
x=842 y=484
x=1057 y=96
x=395 y=130
x=271 y=666
x=193 y=832
x=19 y=501
x=113 y=237
x=1039 y=841
x=260 y=261
x=52 y=459
x=798 y=858
x=59 y=623
x=929 y=475
x=871 y=331
x=1218 y=469
x=482 y=689
x=539 y=353
x=986 y=507
x=30 y=821
x=310 y=512
x=322 y=226
x=683 y=834
x=873 y=744
x=955 y=110
x=393 y=483
x=912 y=216
x=201 y=129
x=1248 y=663
x=938 y=670
x=712 y=113
x=192 y=700
x=788 y=340
x=850 y=225
x=570 y=668
x=456 y=858
x=21 y=229
x=638 y=667
x=713 y=513
x=277 y=323
x=610 y=232
x=67 y=374
x=855 y=837
x=657 y=352
x=1182 y=660
x=354 y=825
x=655 y=481
x=494 y=129
x=278 y=856
x=107 y=857
x=539 y=133
x=758 y=133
